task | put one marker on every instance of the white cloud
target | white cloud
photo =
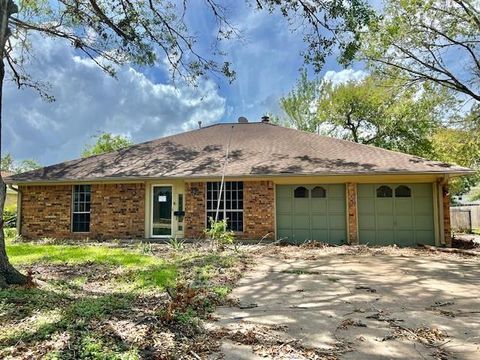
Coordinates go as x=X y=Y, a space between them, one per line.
x=343 y=76
x=89 y=101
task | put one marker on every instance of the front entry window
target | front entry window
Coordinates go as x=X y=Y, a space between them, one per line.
x=162 y=211
x=231 y=203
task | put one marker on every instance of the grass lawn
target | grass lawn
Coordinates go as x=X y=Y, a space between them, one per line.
x=114 y=301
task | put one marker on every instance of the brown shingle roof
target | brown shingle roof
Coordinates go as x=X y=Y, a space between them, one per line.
x=256 y=149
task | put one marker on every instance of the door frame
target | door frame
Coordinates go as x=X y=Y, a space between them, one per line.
x=152 y=186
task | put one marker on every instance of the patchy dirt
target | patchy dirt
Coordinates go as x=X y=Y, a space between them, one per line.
x=316 y=302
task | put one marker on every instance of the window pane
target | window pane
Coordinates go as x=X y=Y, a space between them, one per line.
x=301 y=192
x=231 y=199
x=319 y=192
x=81 y=208
x=384 y=192
x=403 y=191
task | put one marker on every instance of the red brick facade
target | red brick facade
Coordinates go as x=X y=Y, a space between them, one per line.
x=258 y=210
x=195 y=217
x=447 y=230
x=117 y=211
x=352 y=213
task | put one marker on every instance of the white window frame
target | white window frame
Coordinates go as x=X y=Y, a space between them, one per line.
x=80 y=212
x=224 y=211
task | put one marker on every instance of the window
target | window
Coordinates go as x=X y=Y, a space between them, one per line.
x=81 y=208
x=231 y=203
x=301 y=192
x=384 y=192
x=403 y=191
x=319 y=192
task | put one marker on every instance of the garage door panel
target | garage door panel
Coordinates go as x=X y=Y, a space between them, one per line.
x=385 y=237
x=423 y=206
x=423 y=222
x=405 y=237
x=425 y=237
x=366 y=207
x=285 y=221
x=366 y=222
x=301 y=206
x=403 y=206
x=319 y=221
x=319 y=206
x=284 y=192
x=336 y=191
x=365 y=191
x=300 y=219
x=384 y=222
x=284 y=205
x=384 y=206
x=337 y=237
x=320 y=235
x=301 y=222
x=336 y=221
x=403 y=222
x=336 y=205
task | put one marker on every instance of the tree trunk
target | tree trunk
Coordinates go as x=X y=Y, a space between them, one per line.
x=8 y=274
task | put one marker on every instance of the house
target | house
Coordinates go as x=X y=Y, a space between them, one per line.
x=11 y=198
x=282 y=182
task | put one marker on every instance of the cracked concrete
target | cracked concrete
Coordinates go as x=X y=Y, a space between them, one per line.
x=312 y=291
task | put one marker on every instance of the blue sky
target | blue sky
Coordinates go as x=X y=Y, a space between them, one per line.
x=142 y=103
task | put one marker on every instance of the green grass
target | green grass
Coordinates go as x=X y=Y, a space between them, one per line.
x=87 y=288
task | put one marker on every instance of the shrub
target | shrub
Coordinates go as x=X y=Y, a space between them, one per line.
x=10 y=216
x=219 y=233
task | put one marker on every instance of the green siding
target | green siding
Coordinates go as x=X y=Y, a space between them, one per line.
x=321 y=219
x=405 y=221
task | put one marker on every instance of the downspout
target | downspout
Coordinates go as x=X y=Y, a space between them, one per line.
x=223 y=173
x=19 y=208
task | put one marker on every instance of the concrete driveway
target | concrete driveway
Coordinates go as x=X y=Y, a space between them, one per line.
x=354 y=303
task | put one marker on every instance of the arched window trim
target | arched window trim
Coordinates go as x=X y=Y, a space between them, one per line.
x=407 y=194
x=384 y=191
x=321 y=189
x=305 y=193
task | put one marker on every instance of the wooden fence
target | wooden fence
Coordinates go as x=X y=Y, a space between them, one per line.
x=465 y=218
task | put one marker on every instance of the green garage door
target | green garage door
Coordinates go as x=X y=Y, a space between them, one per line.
x=399 y=214
x=311 y=212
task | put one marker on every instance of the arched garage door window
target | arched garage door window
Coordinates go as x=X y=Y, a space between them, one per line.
x=319 y=192
x=384 y=192
x=300 y=192
x=403 y=191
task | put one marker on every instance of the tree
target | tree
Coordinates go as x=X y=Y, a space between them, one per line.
x=116 y=32
x=460 y=144
x=371 y=111
x=428 y=41
x=8 y=164
x=106 y=142
x=300 y=105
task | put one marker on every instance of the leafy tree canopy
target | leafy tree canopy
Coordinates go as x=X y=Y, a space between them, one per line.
x=372 y=111
x=8 y=164
x=428 y=41
x=106 y=142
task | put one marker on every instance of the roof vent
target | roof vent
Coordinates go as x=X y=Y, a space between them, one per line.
x=265 y=119
x=242 y=120
x=199 y=124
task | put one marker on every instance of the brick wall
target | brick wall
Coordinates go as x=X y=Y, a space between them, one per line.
x=117 y=211
x=45 y=211
x=352 y=213
x=195 y=217
x=446 y=216
x=258 y=209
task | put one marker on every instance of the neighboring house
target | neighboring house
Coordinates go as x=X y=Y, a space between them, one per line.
x=282 y=182
x=11 y=199
x=466 y=199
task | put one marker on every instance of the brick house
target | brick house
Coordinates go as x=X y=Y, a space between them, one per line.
x=279 y=183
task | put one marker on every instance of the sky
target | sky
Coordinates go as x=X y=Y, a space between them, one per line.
x=142 y=103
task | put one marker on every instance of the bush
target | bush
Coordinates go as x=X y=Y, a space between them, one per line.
x=10 y=216
x=219 y=233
